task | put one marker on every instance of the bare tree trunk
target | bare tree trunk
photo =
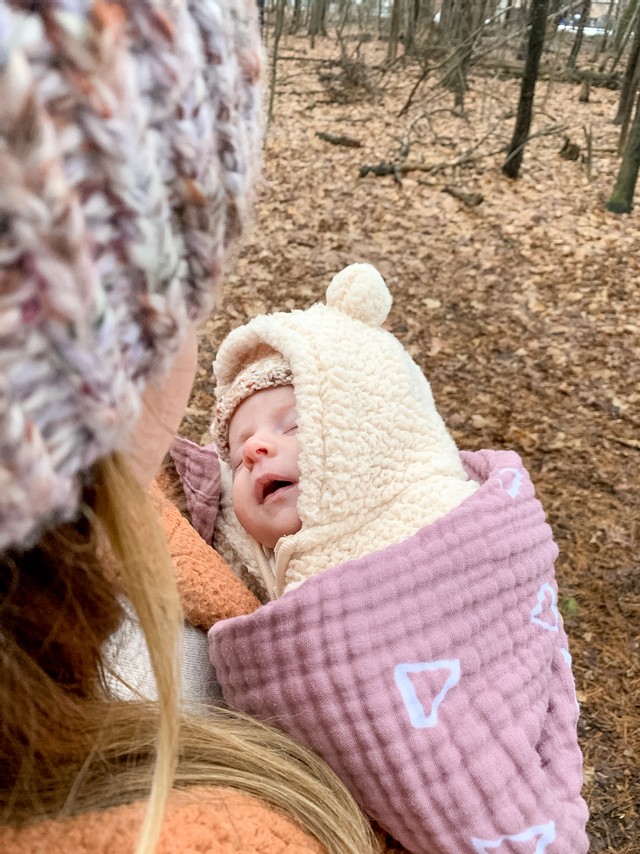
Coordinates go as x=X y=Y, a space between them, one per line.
x=317 y=20
x=621 y=200
x=296 y=18
x=512 y=164
x=629 y=81
x=625 y=24
x=394 y=31
x=458 y=36
x=425 y=13
x=412 y=13
x=627 y=116
x=274 y=56
x=577 y=44
x=608 y=21
x=621 y=37
x=344 y=14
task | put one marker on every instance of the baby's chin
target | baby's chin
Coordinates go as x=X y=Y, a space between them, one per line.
x=289 y=530
x=284 y=521
x=286 y=529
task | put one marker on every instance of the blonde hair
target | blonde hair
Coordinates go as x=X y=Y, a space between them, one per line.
x=70 y=748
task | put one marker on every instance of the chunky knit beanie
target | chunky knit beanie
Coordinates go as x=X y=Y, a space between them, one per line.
x=129 y=139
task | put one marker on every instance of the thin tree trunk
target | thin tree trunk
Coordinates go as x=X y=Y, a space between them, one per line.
x=621 y=41
x=274 y=57
x=629 y=81
x=344 y=14
x=604 y=41
x=577 y=44
x=412 y=11
x=295 y=20
x=627 y=116
x=621 y=200
x=394 y=31
x=512 y=164
x=460 y=41
x=317 y=20
x=625 y=24
x=447 y=21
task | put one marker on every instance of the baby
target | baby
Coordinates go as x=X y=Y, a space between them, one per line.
x=333 y=440
x=424 y=655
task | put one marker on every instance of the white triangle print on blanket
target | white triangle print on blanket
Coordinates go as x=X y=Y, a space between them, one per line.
x=545 y=611
x=542 y=834
x=419 y=717
x=511 y=485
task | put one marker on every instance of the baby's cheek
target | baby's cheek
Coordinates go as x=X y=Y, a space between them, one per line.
x=236 y=490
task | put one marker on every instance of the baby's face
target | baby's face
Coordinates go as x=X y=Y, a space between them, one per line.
x=263 y=442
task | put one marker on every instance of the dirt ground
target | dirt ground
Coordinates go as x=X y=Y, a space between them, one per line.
x=523 y=311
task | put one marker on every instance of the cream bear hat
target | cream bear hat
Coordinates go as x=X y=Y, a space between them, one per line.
x=376 y=460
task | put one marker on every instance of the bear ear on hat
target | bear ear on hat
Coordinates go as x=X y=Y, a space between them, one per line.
x=360 y=291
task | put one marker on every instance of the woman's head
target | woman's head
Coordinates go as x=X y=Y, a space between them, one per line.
x=129 y=137
x=129 y=141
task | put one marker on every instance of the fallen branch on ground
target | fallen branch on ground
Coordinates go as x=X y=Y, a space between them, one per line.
x=399 y=169
x=347 y=141
x=471 y=200
x=576 y=75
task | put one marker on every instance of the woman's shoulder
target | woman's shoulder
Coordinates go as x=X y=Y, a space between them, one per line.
x=197 y=820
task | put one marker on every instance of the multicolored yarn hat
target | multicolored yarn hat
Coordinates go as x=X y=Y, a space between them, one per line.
x=267 y=371
x=129 y=141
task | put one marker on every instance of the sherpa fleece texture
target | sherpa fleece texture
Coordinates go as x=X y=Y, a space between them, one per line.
x=433 y=676
x=198 y=821
x=376 y=461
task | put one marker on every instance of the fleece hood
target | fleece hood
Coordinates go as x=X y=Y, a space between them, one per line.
x=376 y=460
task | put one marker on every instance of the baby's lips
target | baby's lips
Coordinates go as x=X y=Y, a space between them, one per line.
x=262 y=483
x=265 y=481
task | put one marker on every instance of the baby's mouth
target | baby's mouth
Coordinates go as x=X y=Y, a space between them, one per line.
x=269 y=485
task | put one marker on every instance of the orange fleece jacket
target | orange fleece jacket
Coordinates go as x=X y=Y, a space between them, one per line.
x=198 y=821
x=209 y=589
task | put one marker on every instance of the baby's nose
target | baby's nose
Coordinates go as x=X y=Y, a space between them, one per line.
x=256 y=446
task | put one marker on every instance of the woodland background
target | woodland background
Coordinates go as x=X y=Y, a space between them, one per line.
x=520 y=299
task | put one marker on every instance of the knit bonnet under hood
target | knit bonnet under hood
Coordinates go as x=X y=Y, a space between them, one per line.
x=376 y=461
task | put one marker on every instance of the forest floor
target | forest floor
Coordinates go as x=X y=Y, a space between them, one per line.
x=523 y=311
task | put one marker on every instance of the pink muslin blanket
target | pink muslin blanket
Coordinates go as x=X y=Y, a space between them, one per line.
x=433 y=676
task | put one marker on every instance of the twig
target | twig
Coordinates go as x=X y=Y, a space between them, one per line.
x=548 y=131
x=588 y=161
x=628 y=443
